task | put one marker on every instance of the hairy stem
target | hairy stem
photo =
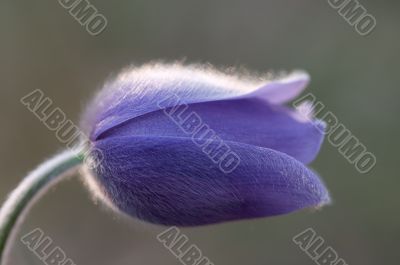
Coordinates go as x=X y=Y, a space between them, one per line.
x=28 y=191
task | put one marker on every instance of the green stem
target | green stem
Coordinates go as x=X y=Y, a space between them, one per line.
x=24 y=196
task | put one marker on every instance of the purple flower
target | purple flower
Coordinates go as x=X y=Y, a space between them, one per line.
x=159 y=167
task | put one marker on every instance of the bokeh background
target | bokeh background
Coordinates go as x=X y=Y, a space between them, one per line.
x=43 y=47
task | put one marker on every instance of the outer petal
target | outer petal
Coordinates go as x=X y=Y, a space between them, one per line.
x=137 y=91
x=171 y=181
x=249 y=121
x=285 y=89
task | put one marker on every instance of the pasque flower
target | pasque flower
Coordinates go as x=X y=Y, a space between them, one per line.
x=153 y=169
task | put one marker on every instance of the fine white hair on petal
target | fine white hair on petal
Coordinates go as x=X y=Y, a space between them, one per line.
x=142 y=87
x=304 y=112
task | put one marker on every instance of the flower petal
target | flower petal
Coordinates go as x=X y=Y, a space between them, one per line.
x=137 y=91
x=285 y=89
x=249 y=121
x=171 y=181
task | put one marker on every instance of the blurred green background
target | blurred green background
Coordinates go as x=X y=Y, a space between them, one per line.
x=43 y=47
